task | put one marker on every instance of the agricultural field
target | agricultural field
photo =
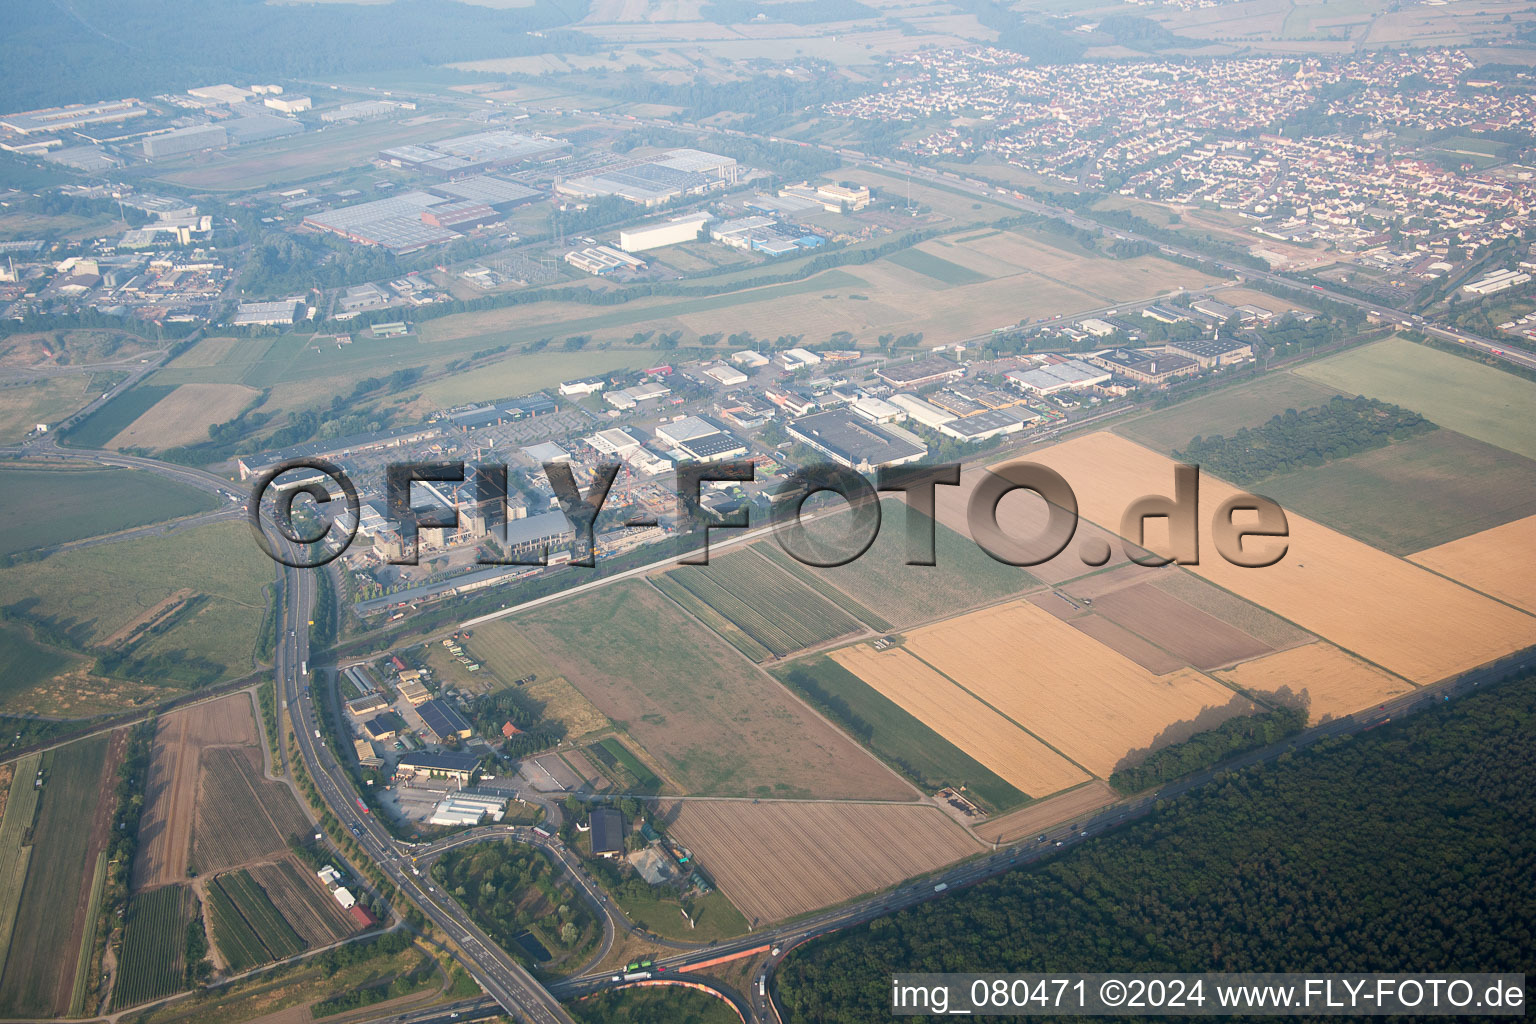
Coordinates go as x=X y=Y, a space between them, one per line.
x=1091 y=704
x=25 y=404
x=716 y=725
x=15 y=852
x=1385 y=610
x=778 y=859
x=505 y=656
x=936 y=267
x=1495 y=561
x=1012 y=754
x=1189 y=634
x=171 y=793
x=152 y=963
x=184 y=416
x=246 y=926
x=1225 y=411
x=1454 y=484
x=70 y=830
x=1479 y=401
x=241 y=818
x=91 y=594
x=767 y=613
x=311 y=911
x=1027 y=821
x=1328 y=682
x=101 y=426
x=893 y=734
x=44 y=507
x=887 y=593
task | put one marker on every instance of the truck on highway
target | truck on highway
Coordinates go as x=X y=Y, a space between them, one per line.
x=317 y=734
x=941 y=887
x=637 y=976
x=362 y=806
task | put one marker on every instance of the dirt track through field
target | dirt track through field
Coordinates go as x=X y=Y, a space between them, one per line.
x=778 y=859
x=170 y=805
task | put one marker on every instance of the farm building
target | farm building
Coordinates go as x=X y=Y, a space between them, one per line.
x=363 y=916
x=444 y=721
x=412 y=688
x=368 y=704
x=607 y=832
x=344 y=897
x=446 y=765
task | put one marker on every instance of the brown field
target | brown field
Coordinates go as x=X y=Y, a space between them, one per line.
x=241 y=818
x=1183 y=630
x=1263 y=625
x=1331 y=682
x=1122 y=641
x=1386 y=610
x=1027 y=821
x=303 y=902
x=778 y=859
x=184 y=416
x=170 y=798
x=1092 y=704
x=1495 y=561
x=1011 y=753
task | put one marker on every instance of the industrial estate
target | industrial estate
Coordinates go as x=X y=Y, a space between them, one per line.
x=268 y=757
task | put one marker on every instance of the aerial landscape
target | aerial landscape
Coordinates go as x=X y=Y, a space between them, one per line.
x=766 y=511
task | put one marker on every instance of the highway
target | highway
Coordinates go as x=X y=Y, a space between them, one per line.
x=514 y=989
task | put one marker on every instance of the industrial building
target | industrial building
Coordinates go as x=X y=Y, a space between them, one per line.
x=1145 y=366
x=764 y=235
x=469 y=807
x=1213 y=352
x=919 y=372
x=445 y=765
x=676 y=173
x=260 y=314
x=468 y=154
x=832 y=198
x=185 y=140
x=288 y=104
x=1067 y=375
x=536 y=536
x=667 y=232
x=444 y=722
x=684 y=429
x=985 y=425
x=363 y=110
x=602 y=259
x=76 y=115
x=395 y=223
x=926 y=413
x=851 y=441
x=1496 y=282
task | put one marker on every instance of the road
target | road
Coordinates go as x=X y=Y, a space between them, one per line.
x=513 y=988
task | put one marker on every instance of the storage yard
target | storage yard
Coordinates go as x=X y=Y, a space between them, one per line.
x=778 y=859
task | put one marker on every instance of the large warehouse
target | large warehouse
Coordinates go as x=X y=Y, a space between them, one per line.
x=667 y=232
x=856 y=443
x=678 y=172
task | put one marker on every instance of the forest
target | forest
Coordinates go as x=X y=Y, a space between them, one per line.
x=1295 y=440
x=1406 y=848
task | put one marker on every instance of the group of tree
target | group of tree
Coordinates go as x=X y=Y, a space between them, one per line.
x=509 y=888
x=1229 y=739
x=1293 y=440
x=1406 y=848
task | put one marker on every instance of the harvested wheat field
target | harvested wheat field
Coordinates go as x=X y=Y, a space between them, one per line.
x=184 y=416
x=1095 y=706
x=170 y=796
x=1333 y=683
x=1387 y=610
x=1498 y=562
x=1011 y=753
x=778 y=859
x=1027 y=821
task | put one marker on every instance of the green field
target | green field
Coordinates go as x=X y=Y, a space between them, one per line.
x=894 y=735
x=237 y=941
x=713 y=723
x=152 y=962
x=776 y=613
x=1479 y=401
x=255 y=909
x=618 y=754
x=890 y=594
x=107 y=422
x=40 y=972
x=1413 y=494
x=1225 y=412
x=20 y=810
x=44 y=507
x=25 y=404
x=653 y=1006
x=91 y=593
x=655 y=909
x=27 y=664
x=936 y=267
